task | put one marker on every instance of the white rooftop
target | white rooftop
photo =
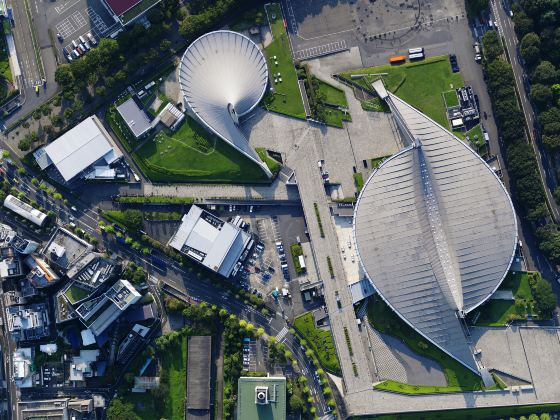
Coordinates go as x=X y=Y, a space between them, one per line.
x=79 y=148
x=205 y=238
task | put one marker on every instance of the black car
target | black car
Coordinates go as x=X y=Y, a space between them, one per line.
x=453 y=62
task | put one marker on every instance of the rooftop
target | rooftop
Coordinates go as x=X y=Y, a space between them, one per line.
x=261 y=398
x=223 y=76
x=210 y=241
x=134 y=117
x=24 y=210
x=435 y=230
x=28 y=322
x=198 y=372
x=65 y=249
x=78 y=149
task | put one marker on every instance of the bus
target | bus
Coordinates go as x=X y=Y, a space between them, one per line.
x=417 y=56
x=397 y=59
x=415 y=51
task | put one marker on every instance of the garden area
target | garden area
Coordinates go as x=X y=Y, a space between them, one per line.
x=273 y=165
x=296 y=251
x=75 y=294
x=459 y=378
x=532 y=297
x=321 y=341
x=192 y=155
x=286 y=98
x=420 y=83
x=6 y=81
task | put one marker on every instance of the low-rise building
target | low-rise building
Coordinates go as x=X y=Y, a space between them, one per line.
x=79 y=151
x=126 y=12
x=64 y=249
x=22 y=361
x=24 y=210
x=59 y=409
x=40 y=274
x=99 y=313
x=209 y=241
x=261 y=398
x=135 y=338
x=82 y=366
x=28 y=322
x=134 y=116
x=145 y=383
x=170 y=116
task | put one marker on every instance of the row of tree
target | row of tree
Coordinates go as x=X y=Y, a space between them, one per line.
x=526 y=185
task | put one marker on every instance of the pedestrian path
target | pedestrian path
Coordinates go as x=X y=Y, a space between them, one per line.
x=388 y=366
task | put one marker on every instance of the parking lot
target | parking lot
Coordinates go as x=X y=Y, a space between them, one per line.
x=74 y=18
x=379 y=28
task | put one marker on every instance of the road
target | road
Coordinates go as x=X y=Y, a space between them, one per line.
x=30 y=66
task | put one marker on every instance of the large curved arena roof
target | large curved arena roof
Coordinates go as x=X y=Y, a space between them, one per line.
x=435 y=230
x=223 y=75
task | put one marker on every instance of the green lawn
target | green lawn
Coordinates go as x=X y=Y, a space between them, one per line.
x=458 y=377
x=192 y=155
x=359 y=181
x=451 y=98
x=296 y=251
x=332 y=94
x=5 y=73
x=174 y=362
x=272 y=163
x=376 y=162
x=75 y=294
x=319 y=340
x=286 y=98
x=496 y=313
x=335 y=117
x=475 y=136
x=375 y=104
x=420 y=84
x=144 y=405
x=469 y=413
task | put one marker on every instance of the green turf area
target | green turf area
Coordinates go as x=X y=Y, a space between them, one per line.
x=286 y=98
x=475 y=136
x=335 y=117
x=359 y=181
x=331 y=94
x=319 y=340
x=5 y=72
x=273 y=165
x=296 y=251
x=75 y=294
x=375 y=104
x=496 y=313
x=192 y=155
x=458 y=377
x=376 y=162
x=470 y=413
x=420 y=83
x=451 y=98
x=398 y=387
x=174 y=364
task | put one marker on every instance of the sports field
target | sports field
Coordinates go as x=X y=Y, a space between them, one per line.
x=192 y=155
x=421 y=84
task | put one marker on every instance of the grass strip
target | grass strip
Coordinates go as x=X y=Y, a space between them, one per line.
x=348 y=342
x=318 y=215
x=296 y=251
x=142 y=199
x=359 y=181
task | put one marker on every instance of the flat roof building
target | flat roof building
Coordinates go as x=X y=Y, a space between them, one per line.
x=135 y=117
x=57 y=409
x=215 y=244
x=223 y=76
x=28 y=322
x=198 y=377
x=24 y=210
x=78 y=151
x=99 y=313
x=435 y=230
x=128 y=11
x=40 y=274
x=261 y=398
x=64 y=249
x=22 y=361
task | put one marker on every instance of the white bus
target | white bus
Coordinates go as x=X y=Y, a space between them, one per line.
x=417 y=56
x=415 y=51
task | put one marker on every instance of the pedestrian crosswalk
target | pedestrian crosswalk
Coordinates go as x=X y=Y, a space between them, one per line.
x=281 y=335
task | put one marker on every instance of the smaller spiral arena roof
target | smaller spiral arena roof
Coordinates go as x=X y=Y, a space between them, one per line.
x=223 y=75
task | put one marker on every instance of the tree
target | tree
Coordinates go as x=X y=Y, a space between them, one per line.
x=530 y=48
x=296 y=404
x=64 y=76
x=545 y=73
x=24 y=144
x=164 y=45
x=545 y=299
x=551 y=141
x=541 y=94
x=119 y=410
x=492 y=45
x=100 y=90
x=523 y=24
